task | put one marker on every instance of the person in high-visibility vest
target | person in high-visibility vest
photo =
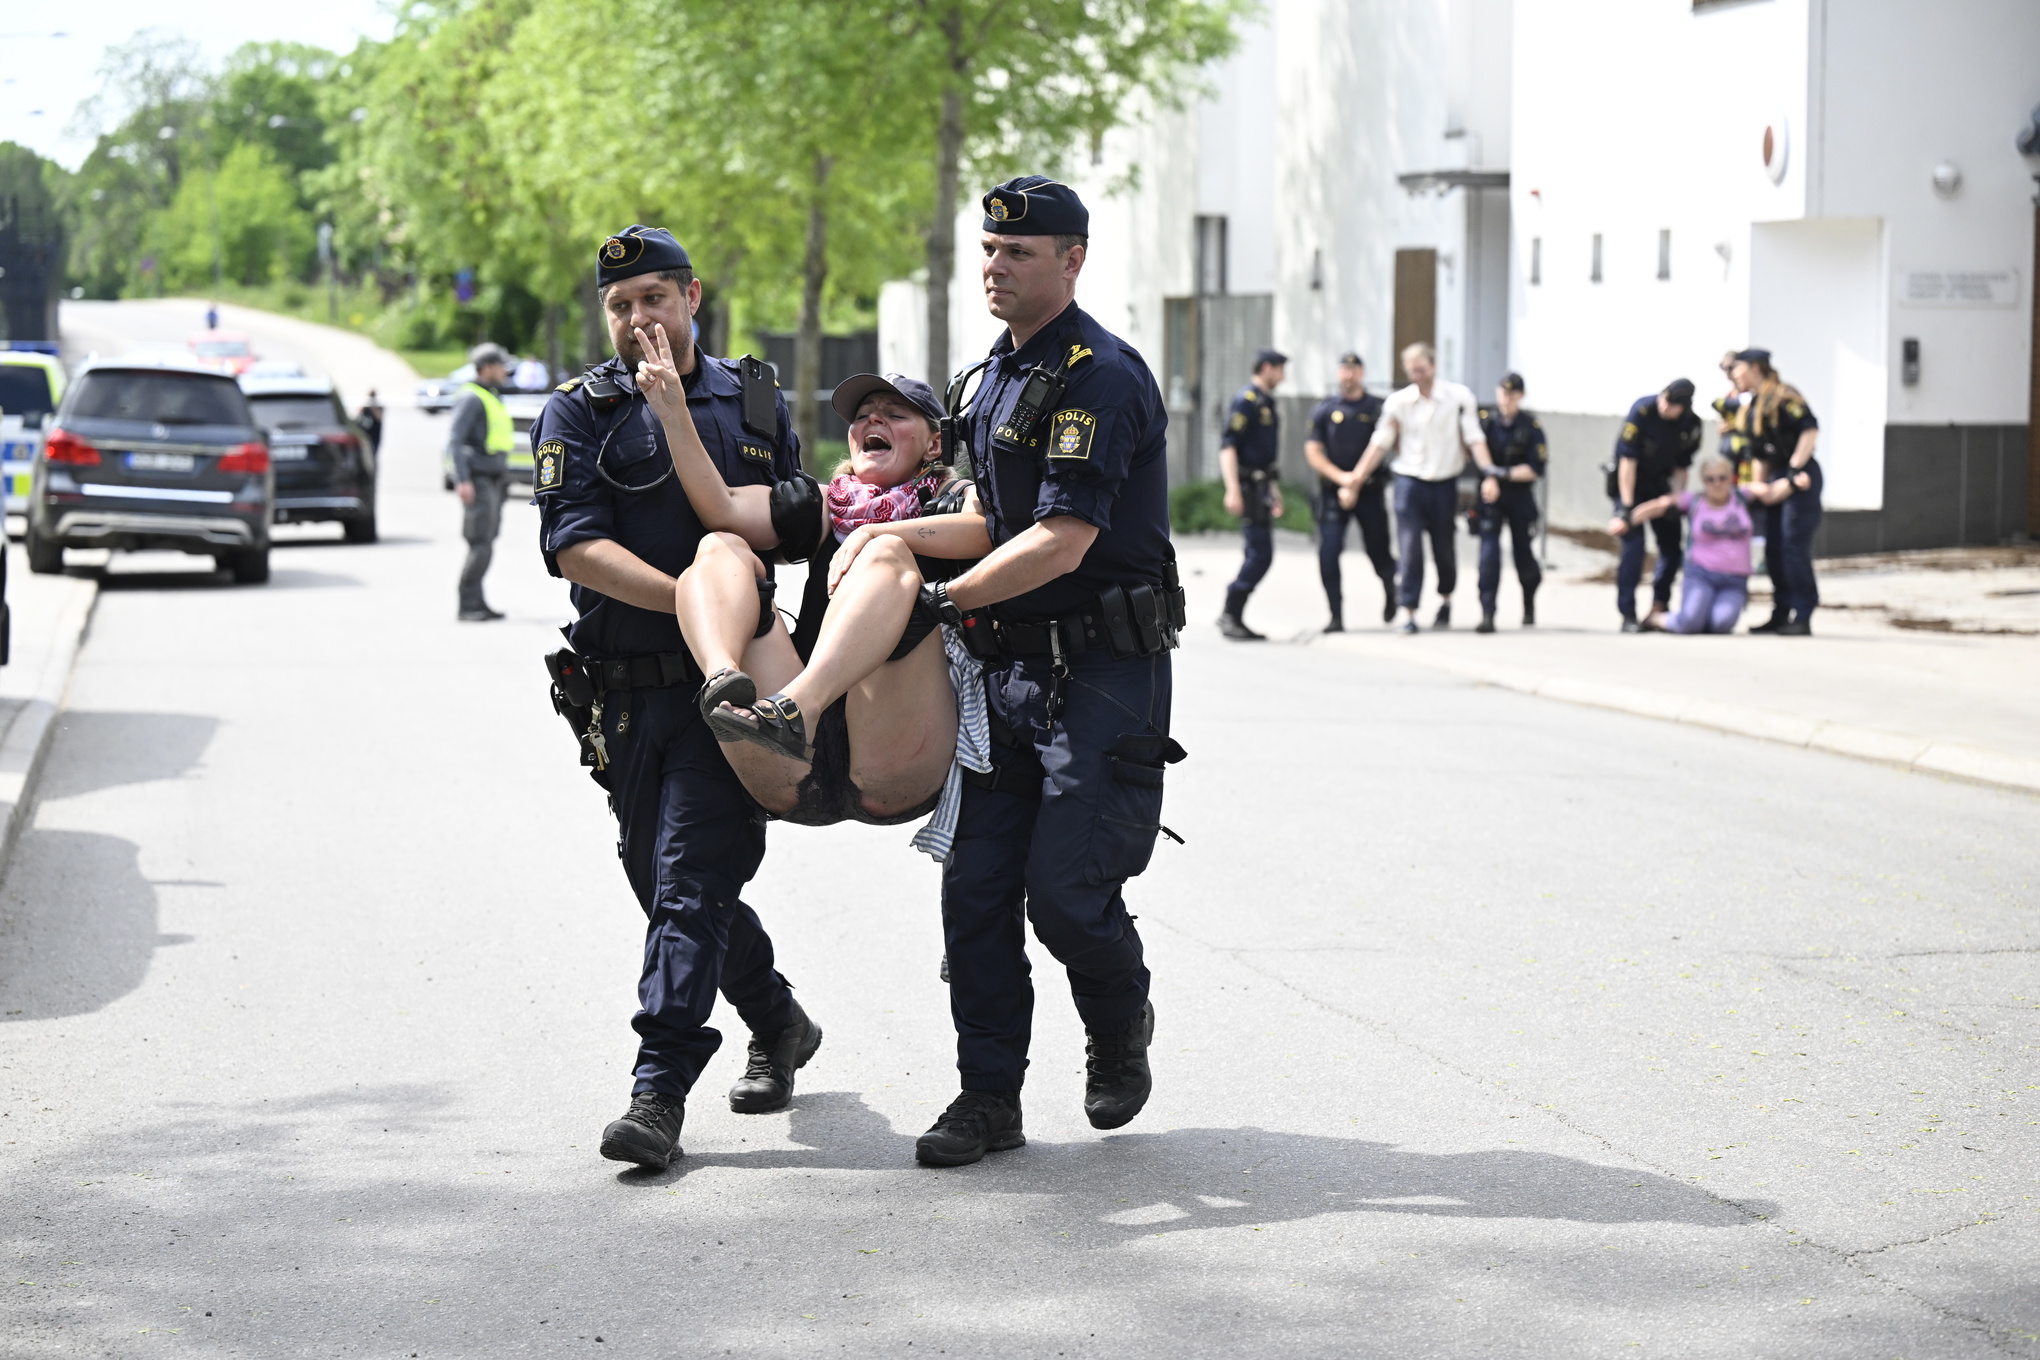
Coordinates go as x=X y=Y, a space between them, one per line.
x=480 y=443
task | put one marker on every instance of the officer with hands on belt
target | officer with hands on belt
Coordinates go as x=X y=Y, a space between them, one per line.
x=1516 y=449
x=1246 y=459
x=1659 y=437
x=480 y=438
x=1073 y=613
x=1340 y=428
x=614 y=520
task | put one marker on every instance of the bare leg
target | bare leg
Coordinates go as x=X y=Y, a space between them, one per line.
x=902 y=720
x=770 y=778
x=717 y=601
x=863 y=625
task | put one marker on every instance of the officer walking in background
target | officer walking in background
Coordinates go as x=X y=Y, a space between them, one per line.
x=614 y=520
x=480 y=441
x=1659 y=437
x=1074 y=614
x=1246 y=459
x=1516 y=448
x=1340 y=429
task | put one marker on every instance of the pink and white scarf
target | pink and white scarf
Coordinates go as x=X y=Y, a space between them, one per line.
x=853 y=503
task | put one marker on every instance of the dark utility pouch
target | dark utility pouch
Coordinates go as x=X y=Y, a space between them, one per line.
x=980 y=639
x=573 y=696
x=1116 y=615
x=1148 y=628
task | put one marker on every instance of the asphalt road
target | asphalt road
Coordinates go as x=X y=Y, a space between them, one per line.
x=1488 y=1025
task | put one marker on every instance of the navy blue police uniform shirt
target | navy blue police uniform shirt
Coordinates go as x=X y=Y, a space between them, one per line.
x=1779 y=437
x=1659 y=446
x=1099 y=456
x=577 y=506
x=1515 y=443
x=1252 y=429
x=1345 y=428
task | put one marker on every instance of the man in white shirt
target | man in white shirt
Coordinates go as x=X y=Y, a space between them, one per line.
x=1427 y=430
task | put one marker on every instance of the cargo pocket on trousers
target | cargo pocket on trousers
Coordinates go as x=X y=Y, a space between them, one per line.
x=1129 y=807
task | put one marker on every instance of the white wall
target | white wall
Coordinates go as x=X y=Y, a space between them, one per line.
x=1817 y=299
x=1900 y=96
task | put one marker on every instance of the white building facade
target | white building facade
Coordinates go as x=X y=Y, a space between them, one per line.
x=1602 y=195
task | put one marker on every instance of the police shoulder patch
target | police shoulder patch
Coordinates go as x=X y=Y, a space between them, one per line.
x=1077 y=352
x=548 y=466
x=568 y=386
x=756 y=453
x=1629 y=430
x=1069 y=434
x=1239 y=420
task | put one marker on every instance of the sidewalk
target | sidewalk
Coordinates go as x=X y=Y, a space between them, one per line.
x=50 y=615
x=1928 y=660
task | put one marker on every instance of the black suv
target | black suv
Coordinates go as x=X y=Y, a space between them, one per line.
x=325 y=466
x=149 y=454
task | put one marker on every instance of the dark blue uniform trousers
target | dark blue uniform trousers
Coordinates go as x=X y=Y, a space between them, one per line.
x=689 y=838
x=1788 y=549
x=1255 y=527
x=1058 y=861
x=1370 y=511
x=1516 y=507
x=1426 y=509
x=1669 y=531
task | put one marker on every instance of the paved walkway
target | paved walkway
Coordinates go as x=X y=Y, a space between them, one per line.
x=1928 y=662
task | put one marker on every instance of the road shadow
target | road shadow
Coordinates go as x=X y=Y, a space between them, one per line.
x=1134 y=1184
x=135 y=582
x=96 y=750
x=77 y=925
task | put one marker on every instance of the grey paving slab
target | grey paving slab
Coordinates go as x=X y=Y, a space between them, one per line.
x=1487 y=1026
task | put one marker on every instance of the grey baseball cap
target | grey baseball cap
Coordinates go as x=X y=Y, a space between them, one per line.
x=851 y=392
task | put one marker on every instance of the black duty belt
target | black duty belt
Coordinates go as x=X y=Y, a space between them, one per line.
x=1137 y=620
x=642 y=672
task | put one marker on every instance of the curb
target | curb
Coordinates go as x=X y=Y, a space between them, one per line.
x=27 y=741
x=1924 y=755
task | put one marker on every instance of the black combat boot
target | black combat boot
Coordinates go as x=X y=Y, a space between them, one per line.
x=1338 y=623
x=1234 y=627
x=767 y=1083
x=1388 y=605
x=1777 y=620
x=975 y=1123
x=1487 y=622
x=1116 y=1076
x=648 y=1133
x=1444 y=617
x=1529 y=609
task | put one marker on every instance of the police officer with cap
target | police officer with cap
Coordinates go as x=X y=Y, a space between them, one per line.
x=1517 y=450
x=1073 y=613
x=1340 y=429
x=1659 y=437
x=614 y=521
x=1246 y=458
x=479 y=440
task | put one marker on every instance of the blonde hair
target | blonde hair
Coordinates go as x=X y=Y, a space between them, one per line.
x=1419 y=349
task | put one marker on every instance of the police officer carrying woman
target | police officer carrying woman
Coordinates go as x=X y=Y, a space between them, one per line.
x=615 y=521
x=1073 y=613
x=1781 y=431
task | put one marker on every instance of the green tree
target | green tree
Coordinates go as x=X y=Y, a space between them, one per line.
x=251 y=203
x=269 y=96
x=1025 y=83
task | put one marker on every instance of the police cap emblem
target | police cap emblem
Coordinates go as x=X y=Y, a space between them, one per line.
x=998 y=210
x=622 y=249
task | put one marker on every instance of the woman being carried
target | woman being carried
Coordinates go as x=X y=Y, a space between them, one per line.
x=867 y=660
x=1717 y=584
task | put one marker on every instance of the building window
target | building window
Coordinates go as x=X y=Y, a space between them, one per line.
x=1536 y=259
x=1595 y=276
x=1664 y=253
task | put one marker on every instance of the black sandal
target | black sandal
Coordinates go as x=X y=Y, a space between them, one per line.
x=779 y=727
x=727 y=686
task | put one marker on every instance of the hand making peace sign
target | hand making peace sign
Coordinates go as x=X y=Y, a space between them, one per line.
x=657 y=377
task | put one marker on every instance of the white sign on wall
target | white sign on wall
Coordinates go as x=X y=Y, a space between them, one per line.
x=1958 y=287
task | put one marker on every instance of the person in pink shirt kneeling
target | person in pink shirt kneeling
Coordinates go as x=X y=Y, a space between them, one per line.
x=1717 y=584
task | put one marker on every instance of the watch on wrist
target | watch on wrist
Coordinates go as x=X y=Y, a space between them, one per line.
x=935 y=594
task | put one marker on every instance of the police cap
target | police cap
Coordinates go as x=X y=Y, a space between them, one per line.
x=1679 y=392
x=1352 y=357
x=638 y=250
x=1512 y=382
x=851 y=392
x=1753 y=356
x=1034 y=205
x=1269 y=356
